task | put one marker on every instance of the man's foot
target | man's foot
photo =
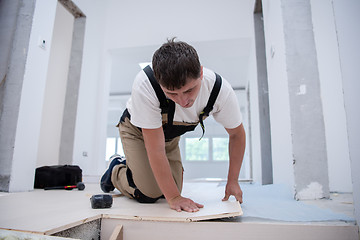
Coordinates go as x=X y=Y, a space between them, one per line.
x=105 y=183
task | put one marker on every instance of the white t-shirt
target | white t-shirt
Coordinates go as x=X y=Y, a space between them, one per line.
x=144 y=106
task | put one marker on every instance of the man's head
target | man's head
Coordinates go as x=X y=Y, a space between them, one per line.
x=174 y=63
x=177 y=68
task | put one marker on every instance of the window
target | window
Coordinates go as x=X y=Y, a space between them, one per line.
x=117 y=104
x=207 y=149
x=220 y=149
x=110 y=147
x=197 y=150
x=113 y=146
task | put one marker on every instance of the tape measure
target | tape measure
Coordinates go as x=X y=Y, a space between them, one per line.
x=101 y=201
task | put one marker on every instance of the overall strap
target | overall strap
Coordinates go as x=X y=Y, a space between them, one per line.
x=159 y=92
x=209 y=106
x=166 y=105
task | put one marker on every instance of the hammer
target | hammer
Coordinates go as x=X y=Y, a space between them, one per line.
x=79 y=185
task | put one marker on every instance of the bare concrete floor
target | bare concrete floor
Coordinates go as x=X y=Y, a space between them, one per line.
x=338 y=202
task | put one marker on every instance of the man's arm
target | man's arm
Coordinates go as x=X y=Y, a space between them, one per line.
x=155 y=148
x=237 y=141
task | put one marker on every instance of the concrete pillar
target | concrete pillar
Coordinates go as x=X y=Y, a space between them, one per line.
x=263 y=95
x=16 y=18
x=306 y=114
x=72 y=89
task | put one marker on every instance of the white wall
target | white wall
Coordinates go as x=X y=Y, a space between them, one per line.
x=281 y=142
x=332 y=95
x=89 y=144
x=55 y=90
x=32 y=97
x=347 y=18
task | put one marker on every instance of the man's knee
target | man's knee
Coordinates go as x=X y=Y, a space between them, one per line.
x=138 y=195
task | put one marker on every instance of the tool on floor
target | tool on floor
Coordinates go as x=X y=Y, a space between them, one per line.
x=79 y=185
x=101 y=201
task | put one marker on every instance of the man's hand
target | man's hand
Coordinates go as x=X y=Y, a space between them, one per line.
x=237 y=140
x=180 y=203
x=233 y=188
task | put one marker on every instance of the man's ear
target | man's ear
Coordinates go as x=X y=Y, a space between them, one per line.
x=201 y=72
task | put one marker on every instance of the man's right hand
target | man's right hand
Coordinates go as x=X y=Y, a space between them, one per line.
x=180 y=203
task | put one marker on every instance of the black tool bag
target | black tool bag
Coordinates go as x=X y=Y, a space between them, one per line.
x=58 y=175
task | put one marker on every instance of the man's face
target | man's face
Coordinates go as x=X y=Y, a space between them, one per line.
x=186 y=95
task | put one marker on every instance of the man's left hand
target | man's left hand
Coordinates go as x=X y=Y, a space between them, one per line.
x=233 y=189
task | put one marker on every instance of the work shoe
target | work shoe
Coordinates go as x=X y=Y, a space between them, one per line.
x=105 y=183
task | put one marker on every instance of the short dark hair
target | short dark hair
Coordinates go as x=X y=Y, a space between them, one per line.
x=175 y=62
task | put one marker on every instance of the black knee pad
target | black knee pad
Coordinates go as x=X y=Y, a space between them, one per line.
x=141 y=198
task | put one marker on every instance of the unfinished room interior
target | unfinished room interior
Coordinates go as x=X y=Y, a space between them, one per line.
x=67 y=69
